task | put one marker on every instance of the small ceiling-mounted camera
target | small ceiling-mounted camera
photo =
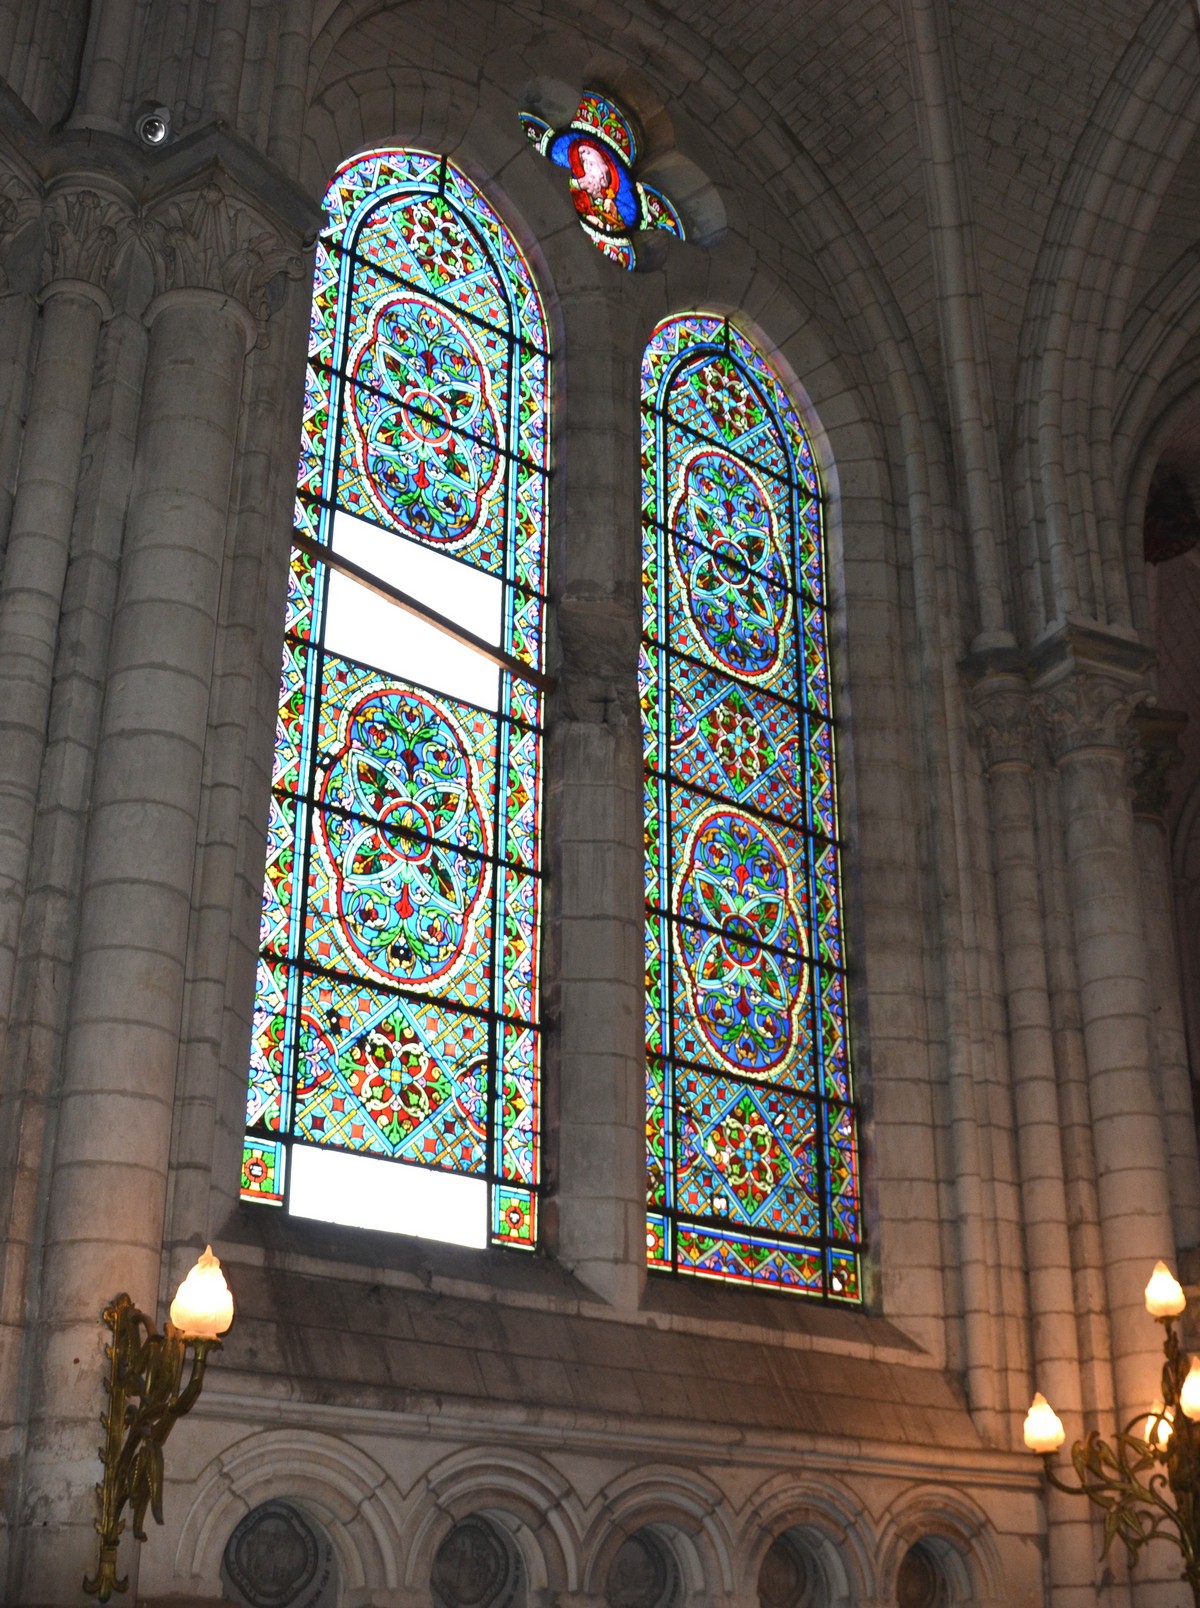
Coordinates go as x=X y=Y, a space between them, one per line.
x=153 y=126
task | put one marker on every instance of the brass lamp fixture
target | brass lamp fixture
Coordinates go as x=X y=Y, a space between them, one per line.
x=146 y=1398
x=1146 y=1481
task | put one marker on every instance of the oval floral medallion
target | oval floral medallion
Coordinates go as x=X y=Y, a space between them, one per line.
x=725 y=550
x=740 y=941
x=422 y=420
x=409 y=856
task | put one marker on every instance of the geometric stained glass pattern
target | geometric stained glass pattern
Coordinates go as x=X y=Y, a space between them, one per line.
x=396 y=1014
x=600 y=150
x=751 y=1131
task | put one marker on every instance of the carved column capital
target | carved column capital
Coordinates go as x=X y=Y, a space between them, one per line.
x=1155 y=756
x=1003 y=717
x=1087 y=709
x=211 y=239
x=84 y=231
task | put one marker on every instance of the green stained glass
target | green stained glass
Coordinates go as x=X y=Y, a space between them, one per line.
x=752 y=1144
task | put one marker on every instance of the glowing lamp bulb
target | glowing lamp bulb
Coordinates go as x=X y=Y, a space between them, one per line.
x=1158 y=1426
x=203 y=1305
x=1043 y=1427
x=1164 y=1293
x=1189 y=1396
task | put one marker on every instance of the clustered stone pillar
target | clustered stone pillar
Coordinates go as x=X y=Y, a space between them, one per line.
x=1086 y=712
x=1003 y=709
x=1158 y=751
x=109 y=1181
x=81 y=243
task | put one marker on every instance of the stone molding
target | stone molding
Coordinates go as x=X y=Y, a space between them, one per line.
x=1004 y=719
x=206 y=236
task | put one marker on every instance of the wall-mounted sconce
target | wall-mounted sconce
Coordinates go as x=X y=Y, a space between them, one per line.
x=1129 y=1475
x=146 y=1396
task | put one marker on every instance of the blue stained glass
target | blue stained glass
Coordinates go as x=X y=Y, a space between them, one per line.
x=600 y=150
x=397 y=1005
x=751 y=1134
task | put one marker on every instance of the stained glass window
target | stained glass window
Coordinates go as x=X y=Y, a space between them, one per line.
x=751 y=1128
x=600 y=149
x=394 y=1074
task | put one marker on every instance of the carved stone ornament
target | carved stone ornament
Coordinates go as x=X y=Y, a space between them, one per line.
x=276 y=1558
x=642 y=1575
x=210 y=240
x=785 y=1578
x=1086 y=710
x=84 y=230
x=1003 y=716
x=1155 y=757
x=20 y=204
x=476 y=1567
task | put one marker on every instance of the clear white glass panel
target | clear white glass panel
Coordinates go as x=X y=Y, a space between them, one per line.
x=363 y=626
x=368 y=1192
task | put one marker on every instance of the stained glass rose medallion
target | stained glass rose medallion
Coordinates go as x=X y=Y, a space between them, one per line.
x=423 y=420
x=725 y=552
x=406 y=840
x=740 y=939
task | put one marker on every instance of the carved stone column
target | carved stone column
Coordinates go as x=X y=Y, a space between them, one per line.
x=1004 y=715
x=82 y=236
x=1157 y=753
x=1086 y=711
x=107 y=1191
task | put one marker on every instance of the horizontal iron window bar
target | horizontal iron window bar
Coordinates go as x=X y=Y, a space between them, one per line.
x=307 y=969
x=421 y=611
x=404 y=833
x=359 y=259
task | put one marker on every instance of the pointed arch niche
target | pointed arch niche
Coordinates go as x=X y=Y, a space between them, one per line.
x=394 y=1078
x=751 y=1126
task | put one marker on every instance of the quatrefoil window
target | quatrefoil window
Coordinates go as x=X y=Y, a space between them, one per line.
x=600 y=151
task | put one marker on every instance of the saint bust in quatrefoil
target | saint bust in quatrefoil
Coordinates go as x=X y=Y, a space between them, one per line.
x=600 y=151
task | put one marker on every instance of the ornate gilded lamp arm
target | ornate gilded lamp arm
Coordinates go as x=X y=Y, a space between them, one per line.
x=146 y=1399
x=1146 y=1481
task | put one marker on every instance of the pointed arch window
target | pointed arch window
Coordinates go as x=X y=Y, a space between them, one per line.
x=394 y=1077
x=751 y=1128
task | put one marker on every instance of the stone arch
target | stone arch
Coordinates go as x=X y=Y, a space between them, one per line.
x=956 y=1536
x=821 y=1515
x=520 y=1493
x=683 y=1511
x=342 y=1488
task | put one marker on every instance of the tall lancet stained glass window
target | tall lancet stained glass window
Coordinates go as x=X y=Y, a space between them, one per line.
x=751 y=1135
x=395 y=1058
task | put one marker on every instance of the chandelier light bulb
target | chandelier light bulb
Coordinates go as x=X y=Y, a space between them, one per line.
x=1043 y=1427
x=1164 y=1293
x=1159 y=1425
x=203 y=1305
x=1189 y=1396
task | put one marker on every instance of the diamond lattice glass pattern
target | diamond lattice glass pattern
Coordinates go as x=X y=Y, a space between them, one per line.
x=751 y=1131
x=397 y=1005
